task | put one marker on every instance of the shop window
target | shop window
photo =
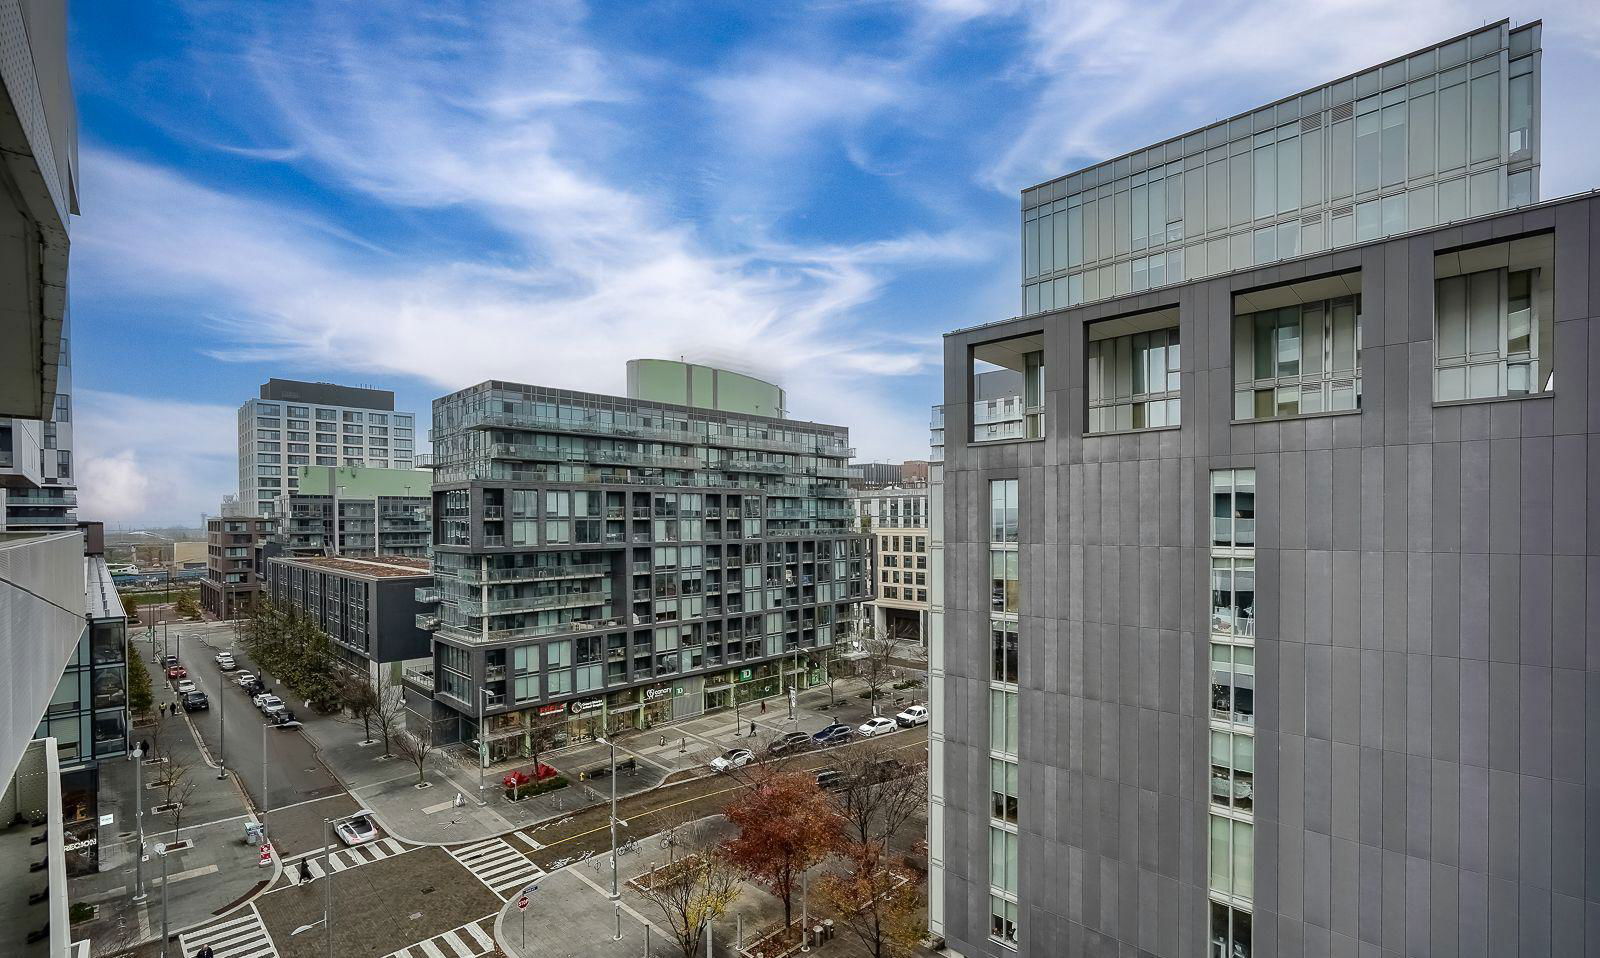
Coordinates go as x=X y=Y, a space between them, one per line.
x=1494 y=320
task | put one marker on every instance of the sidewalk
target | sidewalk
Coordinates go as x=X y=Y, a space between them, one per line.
x=212 y=821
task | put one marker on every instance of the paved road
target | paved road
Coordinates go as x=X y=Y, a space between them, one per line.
x=256 y=752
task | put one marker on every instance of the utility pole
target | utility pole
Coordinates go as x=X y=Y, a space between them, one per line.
x=166 y=936
x=327 y=880
x=222 y=723
x=138 y=803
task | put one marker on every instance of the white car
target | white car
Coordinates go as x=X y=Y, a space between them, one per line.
x=185 y=686
x=733 y=758
x=915 y=715
x=226 y=663
x=358 y=829
x=876 y=726
x=224 y=654
x=244 y=678
x=267 y=702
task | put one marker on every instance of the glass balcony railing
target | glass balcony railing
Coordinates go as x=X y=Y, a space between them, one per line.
x=427 y=594
x=428 y=621
x=530 y=603
x=474 y=576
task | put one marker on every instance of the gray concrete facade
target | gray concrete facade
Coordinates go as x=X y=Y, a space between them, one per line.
x=1427 y=633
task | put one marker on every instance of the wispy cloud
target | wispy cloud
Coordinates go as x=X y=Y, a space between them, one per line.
x=150 y=461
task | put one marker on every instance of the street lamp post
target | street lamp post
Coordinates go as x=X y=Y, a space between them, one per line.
x=327 y=880
x=483 y=743
x=166 y=936
x=138 y=814
x=222 y=724
x=615 y=892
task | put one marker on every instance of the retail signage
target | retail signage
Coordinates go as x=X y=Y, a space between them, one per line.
x=650 y=695
x=581 y=706
x=551 y=709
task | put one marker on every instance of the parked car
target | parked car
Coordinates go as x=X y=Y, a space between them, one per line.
x=170 y=661
x=256 y=687
x=790 y=742
x=883 y=770
x=244 y=678
x=266 y=699
x=834 y=734
x=274 y=709
x=877 y=726
x=283 y=718
x=224 y=654
x=225 y=662
x=915 y=715
x=358 y=829
x=186 y=686
x=177 y=672
x=733 y=758
x=196 y=702
x=830 y=778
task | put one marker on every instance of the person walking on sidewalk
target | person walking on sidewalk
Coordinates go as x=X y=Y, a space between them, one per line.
x=205 y=952
x=305 y=872
x=752 y=730
x=763 y=706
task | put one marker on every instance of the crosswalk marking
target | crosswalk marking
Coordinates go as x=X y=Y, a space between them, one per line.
x=498 y=865
x=468 y=941
x=348 y=858
x=243 y=936
x=529 y=840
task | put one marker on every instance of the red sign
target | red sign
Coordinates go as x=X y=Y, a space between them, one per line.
x=552 y=709
x=266 y=853
x=522 y=903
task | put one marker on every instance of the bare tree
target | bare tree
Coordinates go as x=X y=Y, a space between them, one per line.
x=693 y=889
x=541 y=738
x=880 y=908
x=877 y=795
x=390 y=708
x=360 y=700
x=176 y=789
x=415 y=748
x=876 y=665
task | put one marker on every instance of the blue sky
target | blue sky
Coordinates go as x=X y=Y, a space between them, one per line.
x=424 y=195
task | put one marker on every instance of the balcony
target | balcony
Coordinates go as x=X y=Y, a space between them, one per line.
x=529 y=603
x=473 y=576
x=494 y=542
x=464 y=634
x=428 y=621
x=494 y=673
x=427 y=594
x=421 y=678
x=32 y=497
x=62 y=520
x=756 y=465
x=494 y=512
x=641 y=568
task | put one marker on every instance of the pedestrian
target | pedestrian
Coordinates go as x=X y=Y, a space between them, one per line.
x=763 y=706
x=305 y=872
x=144 y=746
x=163 y=708
x=204 y=952
x=752 y=730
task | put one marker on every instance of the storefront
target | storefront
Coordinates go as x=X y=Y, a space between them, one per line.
x=657 y=705
x=586 y=720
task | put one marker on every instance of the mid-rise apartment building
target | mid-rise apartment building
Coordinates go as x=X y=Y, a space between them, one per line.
x=294 y=424
x=606 y=562
x=38 y=492
x=367 y=606
x=1270 y=639
x=355 y=511
x=895 y=521
x=232 y=581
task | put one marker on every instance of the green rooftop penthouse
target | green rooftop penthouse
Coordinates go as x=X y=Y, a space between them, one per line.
x=704 y=387
x=363 y=482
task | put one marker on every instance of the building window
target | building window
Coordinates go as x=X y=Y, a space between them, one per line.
x=1003 y=511
x=1297 y=349
x=1003 y=920
x=1005 y=590
x=1494 y=320
x=1003 y=723
x=1006 y=381
x=1003 y=635
x=1002 y=859
x=1233 y=765
x=1003 y=790
x=1233 y=508
x=1233 y=596
x=1134 y=372
x=1232 y=857
x=1233 y=683
x=1230 y=931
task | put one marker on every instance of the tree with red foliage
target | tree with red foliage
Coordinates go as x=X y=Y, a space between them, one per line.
x=785 y=827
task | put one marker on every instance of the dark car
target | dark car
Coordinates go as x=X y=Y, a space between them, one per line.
x=196 y=702
x=834 y=734
x=170 y=661
x=283 y=717
x=255 y=687
x=884 y=770
x=830 y=778
x=790 y=742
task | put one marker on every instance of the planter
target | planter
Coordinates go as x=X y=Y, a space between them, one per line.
x=421 y=785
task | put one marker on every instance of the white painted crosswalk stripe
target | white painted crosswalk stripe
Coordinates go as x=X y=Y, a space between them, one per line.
x=469 y=941
x=497 y=864
x=242 y=936
x=348 y=858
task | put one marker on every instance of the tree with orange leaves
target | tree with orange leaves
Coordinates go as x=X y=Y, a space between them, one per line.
x=785 y=827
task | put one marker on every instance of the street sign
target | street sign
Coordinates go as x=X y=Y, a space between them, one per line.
x=522 y=903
